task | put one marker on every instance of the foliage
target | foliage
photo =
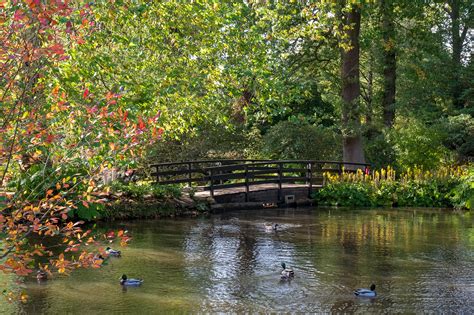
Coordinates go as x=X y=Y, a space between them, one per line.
x=208 y=142
x=459 y=135
x=54 y=141
x=417 y=145
x=299 y=140
x=446 y=187
x=463 y=194
x=379 y=149
x=140 y=190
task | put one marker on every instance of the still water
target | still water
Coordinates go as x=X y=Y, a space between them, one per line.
x=420 y=261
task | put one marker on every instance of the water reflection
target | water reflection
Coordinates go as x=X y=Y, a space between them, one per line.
x=420 y=260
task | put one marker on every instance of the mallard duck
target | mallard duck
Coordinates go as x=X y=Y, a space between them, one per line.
x=41 y=275
x=366 y=292
x=286 y=273
x=112 y=252
x=272 y=227
x=130 y=282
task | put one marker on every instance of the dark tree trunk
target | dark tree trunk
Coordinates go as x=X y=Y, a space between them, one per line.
x=457 y=41
x=389 y=63
x=352 y=139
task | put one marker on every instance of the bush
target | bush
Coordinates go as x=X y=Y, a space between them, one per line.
x=462 y=195
x=209 y=142
x=460 y=135
x=140 y=190
x=300 y=140
x=447 y=187
x=379 y=150
x=417 y=145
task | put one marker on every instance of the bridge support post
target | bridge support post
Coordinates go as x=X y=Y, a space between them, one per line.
x=190 y=178
x=247 y=188
x=211 y=184
x=280 y=174
x=309 y=177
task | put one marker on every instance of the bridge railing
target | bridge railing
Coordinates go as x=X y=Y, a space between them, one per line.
x=213 y=175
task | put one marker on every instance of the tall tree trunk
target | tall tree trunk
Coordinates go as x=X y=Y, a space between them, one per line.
x=389 y=63
x=352 y=138
x=457 y=42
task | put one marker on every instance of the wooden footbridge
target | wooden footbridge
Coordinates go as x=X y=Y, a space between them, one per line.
x=239 y=181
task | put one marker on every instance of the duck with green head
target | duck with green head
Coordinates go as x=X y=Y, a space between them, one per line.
x=130 y=282
x=112 y=252
x=286 y=273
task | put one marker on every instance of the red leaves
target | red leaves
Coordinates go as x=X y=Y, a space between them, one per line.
x=49 y=138
x=86 y=93
x=18 y=15
x=140 y=126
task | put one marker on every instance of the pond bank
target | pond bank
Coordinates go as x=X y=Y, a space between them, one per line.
x=152 y=208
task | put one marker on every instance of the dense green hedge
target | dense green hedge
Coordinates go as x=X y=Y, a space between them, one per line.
x=446 y=187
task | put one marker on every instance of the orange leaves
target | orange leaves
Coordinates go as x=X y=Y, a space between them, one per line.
x=55 y=91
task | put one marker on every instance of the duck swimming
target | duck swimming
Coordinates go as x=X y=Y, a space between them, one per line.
x=286 y=273
x=270 y=227
x=112 y=252
x=366 y=292
x=130 y=282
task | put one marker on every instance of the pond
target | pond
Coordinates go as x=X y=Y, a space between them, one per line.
x=420 y=261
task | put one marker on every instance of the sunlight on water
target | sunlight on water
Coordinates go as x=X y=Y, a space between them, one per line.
x=421 y=261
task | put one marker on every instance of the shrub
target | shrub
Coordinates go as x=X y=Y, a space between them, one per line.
x=300 y=140
x=446 y=187
x=417 y=145
x=462 y=196
x=460 y=135
x=379 y=149
x=140 y=190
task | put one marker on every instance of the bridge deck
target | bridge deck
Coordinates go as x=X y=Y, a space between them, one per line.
x=252 y=188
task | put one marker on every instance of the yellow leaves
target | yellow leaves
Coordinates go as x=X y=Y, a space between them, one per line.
x=24 y=297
